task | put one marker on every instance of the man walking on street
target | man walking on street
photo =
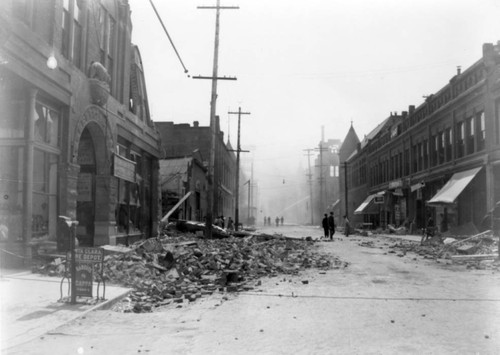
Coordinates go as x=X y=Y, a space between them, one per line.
x=331 y=225
x=325 y=226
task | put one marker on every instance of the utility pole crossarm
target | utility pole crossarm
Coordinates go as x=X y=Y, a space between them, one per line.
x=215 y=78
x=218 y=7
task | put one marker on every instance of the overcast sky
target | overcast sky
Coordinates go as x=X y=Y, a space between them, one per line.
x=304 y=64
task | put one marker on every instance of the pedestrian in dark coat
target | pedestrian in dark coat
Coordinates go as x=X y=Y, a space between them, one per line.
x=331 y=225
x=325 y=226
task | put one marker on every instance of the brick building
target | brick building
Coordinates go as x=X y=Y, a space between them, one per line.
x=440 y=159
x=181 y=140
x=76 y=137
x=326 y=190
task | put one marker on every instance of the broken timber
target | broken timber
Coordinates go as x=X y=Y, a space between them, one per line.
x=476 y=257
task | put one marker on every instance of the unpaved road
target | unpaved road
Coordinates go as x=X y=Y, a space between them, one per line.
x=379 y=304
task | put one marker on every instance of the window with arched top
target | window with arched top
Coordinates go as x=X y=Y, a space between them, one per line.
x=138 y=103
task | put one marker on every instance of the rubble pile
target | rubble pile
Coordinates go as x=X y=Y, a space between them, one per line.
x=171 y=270
x=477 y=251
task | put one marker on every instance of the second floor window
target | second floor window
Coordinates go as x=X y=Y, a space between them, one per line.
x=470 y=135
x=481 y=131
x=460 y=139
x=107 y=42
x=65 y=23
x=71 y=31
x=449 y=143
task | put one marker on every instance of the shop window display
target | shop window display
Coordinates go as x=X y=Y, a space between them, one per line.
x=11 y=193
x=46 y=125
x=44 y=216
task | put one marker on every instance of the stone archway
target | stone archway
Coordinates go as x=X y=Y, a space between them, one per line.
x=97 y=123
x=94 y=126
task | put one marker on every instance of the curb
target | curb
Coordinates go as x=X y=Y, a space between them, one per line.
x=107 y=304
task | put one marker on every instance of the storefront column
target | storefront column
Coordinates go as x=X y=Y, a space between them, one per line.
x=28 y=171
x=106 y=200
x=490 y=188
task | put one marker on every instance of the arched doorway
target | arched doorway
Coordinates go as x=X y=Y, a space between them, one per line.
x=86 y=201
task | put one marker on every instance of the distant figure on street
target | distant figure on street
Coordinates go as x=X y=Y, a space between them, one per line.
x=282 y=220
x=331 y=225
x=325 y=226
x=277 y=220
x=265 y=220
x=428 y=231
x=222 y=222
x=230 y=224
x=269 y=221
x=347 y=226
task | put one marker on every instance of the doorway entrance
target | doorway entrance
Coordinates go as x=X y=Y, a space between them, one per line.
x=85 y=205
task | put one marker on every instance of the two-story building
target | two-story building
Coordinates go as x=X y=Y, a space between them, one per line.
x=440 y=160
x=182 y=141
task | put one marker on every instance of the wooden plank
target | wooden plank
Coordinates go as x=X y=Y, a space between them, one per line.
x=474 y=257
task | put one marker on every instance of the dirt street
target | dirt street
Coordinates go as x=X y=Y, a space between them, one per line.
x=382 y=303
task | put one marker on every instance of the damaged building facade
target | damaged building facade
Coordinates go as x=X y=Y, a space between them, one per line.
x=440 y=160
x=183 y=171
x=76 y=138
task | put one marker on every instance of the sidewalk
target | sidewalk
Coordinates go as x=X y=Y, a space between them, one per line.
x=29 y=307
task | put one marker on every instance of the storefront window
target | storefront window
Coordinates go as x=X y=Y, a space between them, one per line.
x=13 y=117
x=44 y=219
x=46 y=125
x=11 y=192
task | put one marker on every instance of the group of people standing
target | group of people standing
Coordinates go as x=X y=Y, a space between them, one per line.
x=277 y=220
x=329 y=226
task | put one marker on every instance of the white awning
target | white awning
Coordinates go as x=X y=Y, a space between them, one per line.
x=450 y=191
x=365 y=204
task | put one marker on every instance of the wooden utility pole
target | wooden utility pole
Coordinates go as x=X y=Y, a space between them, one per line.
x=237 y=183
x=214 y=78
x=309 y=175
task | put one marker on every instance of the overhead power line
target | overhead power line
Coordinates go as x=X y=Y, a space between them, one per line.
x=169 y=38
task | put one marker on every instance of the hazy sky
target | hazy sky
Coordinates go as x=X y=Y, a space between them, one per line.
x=303 y=64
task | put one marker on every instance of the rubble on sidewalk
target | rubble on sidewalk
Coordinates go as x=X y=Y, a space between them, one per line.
x=181 y=267
x=478 y=251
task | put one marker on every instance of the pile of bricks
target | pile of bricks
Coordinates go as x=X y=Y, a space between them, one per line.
x=175 y=269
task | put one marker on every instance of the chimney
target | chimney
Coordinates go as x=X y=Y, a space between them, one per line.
x=196 y=124
x=411 y=109
x=459 y=70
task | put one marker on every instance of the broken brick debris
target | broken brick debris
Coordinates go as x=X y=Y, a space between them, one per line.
x=476 y=251
x=181 y=267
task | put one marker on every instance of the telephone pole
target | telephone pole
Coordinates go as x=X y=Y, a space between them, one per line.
x=214 y=78
x=309 y=175
x=237 y=183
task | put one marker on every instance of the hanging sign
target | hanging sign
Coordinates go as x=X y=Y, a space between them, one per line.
x=123 y=168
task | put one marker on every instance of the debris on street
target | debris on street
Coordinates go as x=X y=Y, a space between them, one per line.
x=477 y=251
x=181 y=267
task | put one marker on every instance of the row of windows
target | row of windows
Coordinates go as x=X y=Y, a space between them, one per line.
x=468 y=137
x=75 y=17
